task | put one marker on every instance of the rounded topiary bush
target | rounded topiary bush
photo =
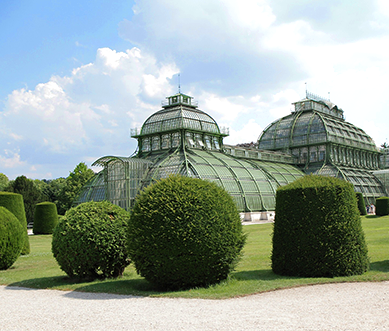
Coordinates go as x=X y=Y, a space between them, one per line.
x=45 y=218
x=361 y=203
x=11 y=238
x=317 y=229
x=382 y=206
x=184 y=232
x=14 y=203
x=90 y=241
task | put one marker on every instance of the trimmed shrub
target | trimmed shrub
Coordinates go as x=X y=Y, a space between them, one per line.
x=184 y=232
x=45 y=218
x=11 y=238
x=361 y=203
x=317 y=229
x=382 y=206
x=90 y=241
x=14 y=203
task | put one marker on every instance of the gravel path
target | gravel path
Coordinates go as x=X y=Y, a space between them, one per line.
x=346 y=306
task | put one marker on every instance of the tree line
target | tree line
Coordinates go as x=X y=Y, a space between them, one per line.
x=61 y=191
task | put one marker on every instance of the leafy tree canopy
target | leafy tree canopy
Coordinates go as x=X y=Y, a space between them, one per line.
x=31 y=194
x=74 y=183
x=3 y=181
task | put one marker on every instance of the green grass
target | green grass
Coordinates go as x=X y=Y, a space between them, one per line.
x=253 y=274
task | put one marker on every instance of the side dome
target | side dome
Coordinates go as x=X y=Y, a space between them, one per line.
x=313 y=123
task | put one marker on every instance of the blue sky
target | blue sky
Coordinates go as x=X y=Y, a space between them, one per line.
x=76 y=76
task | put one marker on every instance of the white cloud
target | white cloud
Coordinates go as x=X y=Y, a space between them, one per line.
x=248 y=133
x=11 y=159
x=88 y=112
x=226 y=109
x=245 y=62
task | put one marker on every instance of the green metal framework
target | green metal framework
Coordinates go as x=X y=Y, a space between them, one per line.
x=322 y=142
x=181 y=139
x=252 y=183
x=93 y=190
x=383 y=177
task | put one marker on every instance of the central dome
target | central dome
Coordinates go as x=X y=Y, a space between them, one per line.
x=180 y=112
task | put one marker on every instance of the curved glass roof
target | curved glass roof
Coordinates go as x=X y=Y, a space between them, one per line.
x=179 y=117
x=307 y=128
x=363 y=181
x=251 y=183
x=93 y=190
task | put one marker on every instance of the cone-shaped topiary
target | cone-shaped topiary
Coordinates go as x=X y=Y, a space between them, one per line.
x=184 y=232
x=317 y=229
x=382 y=206
x=45 y=218
x=361 y=203
x=90 y=241
x=14 y=203
x=11 y=238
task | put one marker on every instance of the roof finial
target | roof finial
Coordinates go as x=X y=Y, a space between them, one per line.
x=179 y=83
x=306 y=90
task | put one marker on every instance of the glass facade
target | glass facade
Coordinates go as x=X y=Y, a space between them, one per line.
x=322 y=142
x=181 y=139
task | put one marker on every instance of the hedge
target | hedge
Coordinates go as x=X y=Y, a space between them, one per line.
x=317 y=229
x=11 y=238
x=14 y=203
x=184 y=232
x=382 y=206
x=45 y=218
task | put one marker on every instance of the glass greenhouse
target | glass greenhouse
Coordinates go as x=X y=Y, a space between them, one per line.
x=322 y=142
x=181 y=139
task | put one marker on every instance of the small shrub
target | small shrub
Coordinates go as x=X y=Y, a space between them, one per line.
x=45 y=218
x=382 y=206
x=90 y=241
x=361 y=203
x=11 y=238
x=14 y=203
x=317 y=229
x=184 y=232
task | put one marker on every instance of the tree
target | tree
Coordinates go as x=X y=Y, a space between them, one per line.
x=3 y=181
x=74 y=183
x=31 y=194
x=54 y=191
x=41 y=186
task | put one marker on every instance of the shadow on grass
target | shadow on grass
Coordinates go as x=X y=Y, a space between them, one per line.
x=141 y=288
x=265 y=275
x=382 y=266
x=46 y=282
x=134 y=287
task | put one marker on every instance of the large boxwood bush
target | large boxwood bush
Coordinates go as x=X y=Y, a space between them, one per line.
x=361 y=203
x=317 y=229
x=382 y=206
x=45 y=218
x=90 y=241
x=11 y=238
x=14 y=203
x=184 y=232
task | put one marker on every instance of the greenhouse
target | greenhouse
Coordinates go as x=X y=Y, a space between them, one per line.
x=181 y=139
x=322 y=142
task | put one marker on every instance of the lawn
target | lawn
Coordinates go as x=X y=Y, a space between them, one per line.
x=253 y=274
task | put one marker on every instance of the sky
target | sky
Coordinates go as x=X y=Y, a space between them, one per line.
x=77 y=76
